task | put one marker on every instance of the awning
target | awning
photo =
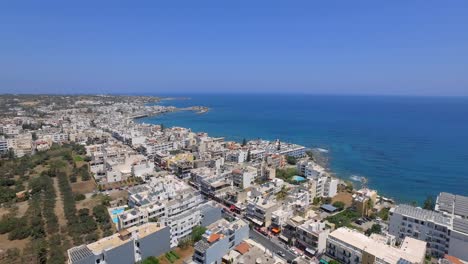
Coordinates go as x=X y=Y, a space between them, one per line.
x=310 y=251
x=275 y=230
x=285 y=239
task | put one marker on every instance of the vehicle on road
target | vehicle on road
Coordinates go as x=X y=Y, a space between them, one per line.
x=281 y=254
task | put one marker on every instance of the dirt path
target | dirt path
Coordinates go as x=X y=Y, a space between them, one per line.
x=59 y=205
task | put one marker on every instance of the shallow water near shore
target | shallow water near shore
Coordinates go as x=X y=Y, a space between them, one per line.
x=407 y=147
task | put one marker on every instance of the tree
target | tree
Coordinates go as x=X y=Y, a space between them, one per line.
x=349 y=186
x=316 y=201
x=375 y=229
x=162 y=127
x=310 y=154
x=383 y=214
x=197 y=233
x=151 y=260
x=248 y=156
x=244 y=142
x=79 y=197
x=291 y=160
x=11 y=153
x=429 y=203
x=339 y=205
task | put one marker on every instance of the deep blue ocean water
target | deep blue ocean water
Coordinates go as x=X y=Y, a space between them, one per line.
x=407 y=147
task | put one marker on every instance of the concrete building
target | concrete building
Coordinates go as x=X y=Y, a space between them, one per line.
x=244 y=178
x=3 y=145
x=260 y=210
x=456 y=207
x=128 y=246
x=322 y=187
x=169 y=201
x=444 y=233
x=311 y=236
x=350 y=246
x=220 y=238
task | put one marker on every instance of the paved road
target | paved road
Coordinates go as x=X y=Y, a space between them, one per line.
x=270 y=245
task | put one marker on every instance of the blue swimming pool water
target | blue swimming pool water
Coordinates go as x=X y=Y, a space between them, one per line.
x=116 y=212
x=298 y=178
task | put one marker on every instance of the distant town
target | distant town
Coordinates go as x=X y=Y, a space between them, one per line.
x=82 y=182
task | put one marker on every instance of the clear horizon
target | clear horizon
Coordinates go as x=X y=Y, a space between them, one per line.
x=397 y=48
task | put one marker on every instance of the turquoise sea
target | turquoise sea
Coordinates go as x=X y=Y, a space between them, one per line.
x=407 y=147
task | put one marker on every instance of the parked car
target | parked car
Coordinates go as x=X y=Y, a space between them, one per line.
x=281 y=254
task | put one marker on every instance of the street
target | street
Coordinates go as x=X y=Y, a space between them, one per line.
x=270 y=245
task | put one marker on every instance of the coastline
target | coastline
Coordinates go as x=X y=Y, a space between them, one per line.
x=321 y=155
x=391 y=141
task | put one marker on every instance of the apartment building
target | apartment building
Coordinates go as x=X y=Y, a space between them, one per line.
x=312 y=236
x=3 y=145
x=211 y=182
x=308 y=169
x=244 y=178
x=444 y=233
x=259 y=210
x=165 y=200
x=352 y=247
x=236 y=156
x=322 y=187
x=456 y=207
x=220 y=238
x=128 y=246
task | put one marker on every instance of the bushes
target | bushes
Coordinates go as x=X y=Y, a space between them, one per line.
x=103 y=219
x=7 y=194
x=172 y=256
x=7 y=224
x=151 y=260
x=286 y=174
x=339 y=205
x=344 y=218
x=383 y=214
x=21 y=231
x=197 y=233
x=375 y=229
x=79 y=197
x=291 y=160
x=56 y=250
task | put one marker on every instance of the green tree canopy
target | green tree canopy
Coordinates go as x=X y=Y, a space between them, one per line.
x=429 y=203
x=197 y=233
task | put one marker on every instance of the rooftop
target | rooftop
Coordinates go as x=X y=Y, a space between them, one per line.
x=452 y=204
x=81 y=252
x=411 y=249
x=419 y=213
x=123 y=237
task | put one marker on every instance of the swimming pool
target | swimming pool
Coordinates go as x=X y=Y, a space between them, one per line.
x=298 y=178
x=115 y=212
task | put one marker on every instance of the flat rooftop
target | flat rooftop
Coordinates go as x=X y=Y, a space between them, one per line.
x=419 y=213
x=452 y=204
x=123 y=237
x=411 y=249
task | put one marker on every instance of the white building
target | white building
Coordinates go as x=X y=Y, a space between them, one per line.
x=244 y=178
x=323 y=187
x=444 y=234
x=168 y=201
x=312 y=236
x=350 y=246
x=128 y=246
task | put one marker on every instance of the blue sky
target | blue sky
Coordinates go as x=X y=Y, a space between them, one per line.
x=398 y=47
